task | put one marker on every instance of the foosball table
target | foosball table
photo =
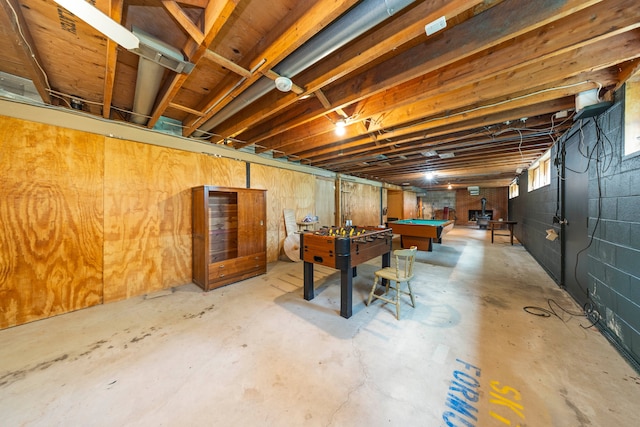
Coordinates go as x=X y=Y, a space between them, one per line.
x=343 y=248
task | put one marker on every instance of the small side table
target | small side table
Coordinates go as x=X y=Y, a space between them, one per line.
x=509 y=224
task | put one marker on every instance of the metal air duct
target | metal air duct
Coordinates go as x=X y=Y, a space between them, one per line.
x=147 y=87
x=363 y=17
x=155 y=57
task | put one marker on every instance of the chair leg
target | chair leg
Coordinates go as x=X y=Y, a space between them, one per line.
x=375 y=284
x=398 y=292
x=413 y=301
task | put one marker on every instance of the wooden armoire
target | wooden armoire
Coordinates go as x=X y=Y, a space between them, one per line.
x=229 y=235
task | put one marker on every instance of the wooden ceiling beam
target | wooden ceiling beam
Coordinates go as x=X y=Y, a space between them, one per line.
x=369 y=164
x=545 y=43
x=629 y=72
x=25 y=46
x=195 y=3
x=323 y=156
x=183 y=108
x=433 y=114
x=430 y=113
x=454 y=45
x=181 y=18
x=411 y=154
x=111 y=61
x=216 y=15
x=543 y=76
x=401 y=31
x=322 y=13
x=489 y=155
x=229 y=65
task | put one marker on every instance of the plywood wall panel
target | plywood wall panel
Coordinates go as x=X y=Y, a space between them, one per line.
x=410 y=204
x=360 y=203
x=395 y=204
x=326 y=201
x=286 y=189
x=147 y=191
x=50 y=221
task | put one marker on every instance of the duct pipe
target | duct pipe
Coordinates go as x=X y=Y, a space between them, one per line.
x=155 y=57
x=147 y=87
x=363 y=17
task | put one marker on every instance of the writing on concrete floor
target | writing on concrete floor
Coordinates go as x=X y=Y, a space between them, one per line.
x=463 y=398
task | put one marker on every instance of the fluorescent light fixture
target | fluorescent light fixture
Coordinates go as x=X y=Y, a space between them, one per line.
x=101 y=22
x=446 y=155
x=429 y=153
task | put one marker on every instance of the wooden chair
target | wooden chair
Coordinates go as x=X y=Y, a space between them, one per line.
x=400 y=273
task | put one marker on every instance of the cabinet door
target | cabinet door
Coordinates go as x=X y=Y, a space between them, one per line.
x=200 y=236
x=252 y=236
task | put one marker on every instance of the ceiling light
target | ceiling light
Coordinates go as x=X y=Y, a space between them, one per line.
x=340 y=127
x=101 y=22
x=449 y=187
x=429 y=175
x=429 y=153
x=283 y=84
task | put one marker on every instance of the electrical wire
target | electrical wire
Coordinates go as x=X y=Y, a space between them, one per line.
x=598 y=146
x=551 y=312
x=599 y=154
x=24 y=39
x=64 y=96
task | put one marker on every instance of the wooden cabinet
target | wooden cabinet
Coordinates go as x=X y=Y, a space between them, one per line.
x=229 y=235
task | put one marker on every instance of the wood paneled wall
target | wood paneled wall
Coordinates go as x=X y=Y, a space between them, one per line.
x=325 y=201
x=51 y=221
x=410 y=204
x=497 y=201
x=402 y=204
x=360 y=203
x=395 y=204
x=286 y=189
x=147 y=221
x=87 y=219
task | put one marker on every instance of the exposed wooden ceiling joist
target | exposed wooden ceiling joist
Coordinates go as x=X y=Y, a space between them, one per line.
x=400 y=91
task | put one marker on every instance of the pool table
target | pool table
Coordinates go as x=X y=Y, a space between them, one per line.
x=421 y=232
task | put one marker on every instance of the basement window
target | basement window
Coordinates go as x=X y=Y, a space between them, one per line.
x=632 y=118
x=540 y=172
x=514 y=188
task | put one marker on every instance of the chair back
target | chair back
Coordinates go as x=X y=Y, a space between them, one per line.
x=404 y=262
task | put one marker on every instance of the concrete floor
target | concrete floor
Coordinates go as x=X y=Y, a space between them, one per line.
x=255 y=353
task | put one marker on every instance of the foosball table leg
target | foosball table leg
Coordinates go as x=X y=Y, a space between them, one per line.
x=346 y=294
x=308 y=280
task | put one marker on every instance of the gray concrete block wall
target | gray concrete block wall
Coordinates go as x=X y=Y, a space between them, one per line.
x=614 y=225
x=613 y=257
x=534 y=212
